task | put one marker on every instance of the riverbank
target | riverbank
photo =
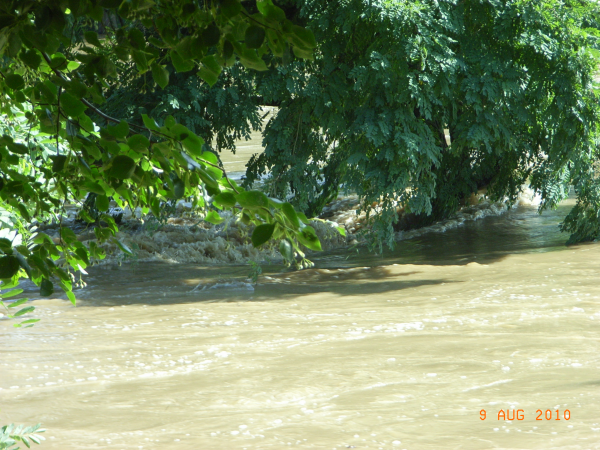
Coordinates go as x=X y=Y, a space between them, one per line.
x=185 y=238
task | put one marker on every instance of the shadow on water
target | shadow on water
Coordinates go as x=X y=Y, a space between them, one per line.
x=161 y=284
x=484 y=241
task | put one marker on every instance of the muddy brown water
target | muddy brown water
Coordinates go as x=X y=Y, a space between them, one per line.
x=407 y=350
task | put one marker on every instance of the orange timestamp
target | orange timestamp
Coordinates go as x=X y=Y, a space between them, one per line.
x=519 y=414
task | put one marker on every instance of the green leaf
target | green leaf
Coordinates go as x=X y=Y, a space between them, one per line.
x=252 y=199
x=255 y=36
x=179 y=63
x=303 y=37
x=291 y=215
x=308 y=237
x=286 y=250
x=210 y=70
x=23 y=323
x=155 y=207
x=58 y=162
x=341 y=230
x=170 y=122
x=67 y=235
x=120 y=131
x=211 y=35
x=71 y=297
x=122 y=167
x=150 y=123
x=72 y=65
x=303 y=217
x=71 y=105
x=14 y=81
x=138 y=143
x=262 y=234
x=82 y=253
x=46 y=288
x=178 y=188
x=269 y=10
x=303 y=53
x=94 y=187
x=92 y=38
x=160 y=75
x=141 y=60
x=124 y=248
x=6 y=245
x=24 y=212
x=31 y=58
x=102 y=203
x=230 y=8
x=250 y=59
x=9 y=266
x=193 y=144
x=225 y=199
x=208 y=179
x=210 y=157
x=23 y=311
x=214 y=218
x=12 y=294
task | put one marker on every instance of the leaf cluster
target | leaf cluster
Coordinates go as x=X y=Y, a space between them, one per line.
x=55 y=73
x=11 y=435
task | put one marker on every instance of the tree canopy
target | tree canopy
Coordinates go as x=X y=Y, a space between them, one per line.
x=417 y=104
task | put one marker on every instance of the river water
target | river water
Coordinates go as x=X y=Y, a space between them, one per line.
x=408 y=350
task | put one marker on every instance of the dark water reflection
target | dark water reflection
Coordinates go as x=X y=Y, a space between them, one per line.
x=520 y=230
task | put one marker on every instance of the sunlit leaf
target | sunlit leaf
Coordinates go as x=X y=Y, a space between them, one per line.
x=102 y=203
x=226 y=199
x=252 y=199
x=138 y=143
x=291 y=215
x=23 y=311
x=308 y=237
x=214 y=218
x=71 y=105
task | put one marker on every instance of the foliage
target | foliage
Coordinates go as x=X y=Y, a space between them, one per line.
x=8 y=306
x=55 y=72
x=11 y=434
x=510 y=83
x=255 y=272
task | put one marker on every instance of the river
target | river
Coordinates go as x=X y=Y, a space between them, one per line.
x=419 y=348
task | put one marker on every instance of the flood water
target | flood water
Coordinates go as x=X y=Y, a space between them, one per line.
x=407 y=350
x=400 y=351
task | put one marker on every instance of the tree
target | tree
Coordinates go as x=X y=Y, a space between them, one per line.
x=510 y=83
x=58 y=145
